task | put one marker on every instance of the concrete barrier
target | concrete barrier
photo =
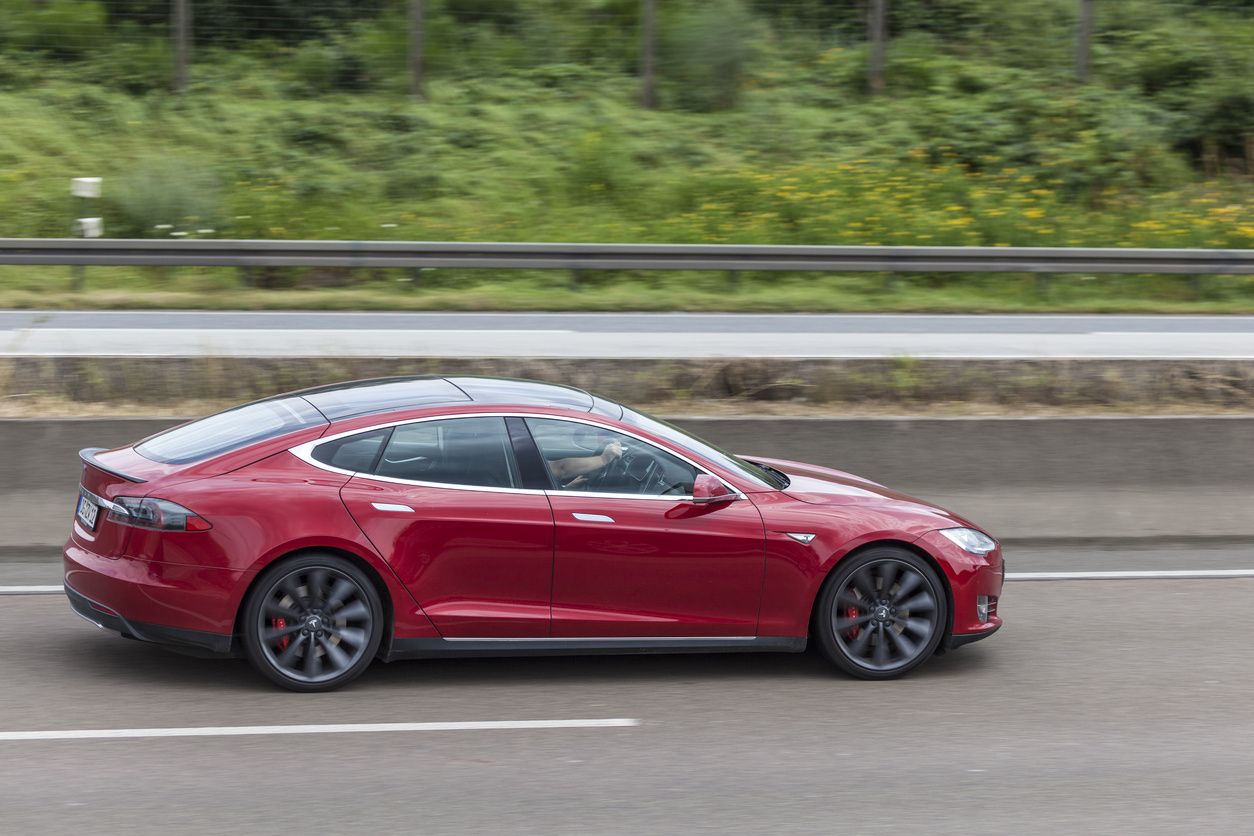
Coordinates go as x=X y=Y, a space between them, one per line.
x=1024 y=479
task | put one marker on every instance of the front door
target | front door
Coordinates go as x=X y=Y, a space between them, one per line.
x=443 y=505
x=632 y=557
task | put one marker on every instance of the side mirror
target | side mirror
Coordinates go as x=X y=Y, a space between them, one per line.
x=707 y=490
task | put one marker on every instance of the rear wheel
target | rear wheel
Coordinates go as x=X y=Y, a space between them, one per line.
x=313 y=623
x=881 y=613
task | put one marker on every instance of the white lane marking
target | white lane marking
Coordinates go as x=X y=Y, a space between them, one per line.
x=344 y=728
x=1131 y=575
x=1121 y=575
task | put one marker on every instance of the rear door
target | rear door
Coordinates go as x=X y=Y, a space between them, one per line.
x=443 y=501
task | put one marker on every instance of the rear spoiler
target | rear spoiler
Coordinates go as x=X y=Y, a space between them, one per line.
x=88 y=456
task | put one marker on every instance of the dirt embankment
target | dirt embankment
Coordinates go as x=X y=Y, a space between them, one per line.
x=31 y=386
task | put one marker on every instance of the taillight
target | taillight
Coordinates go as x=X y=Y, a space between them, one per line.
x=161 y=514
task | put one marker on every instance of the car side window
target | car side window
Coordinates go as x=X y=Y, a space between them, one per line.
x=583 y=457
x=355 y=452
x=454 y=451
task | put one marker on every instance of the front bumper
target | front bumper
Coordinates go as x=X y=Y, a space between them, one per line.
x=958 y=640
x=970 y=576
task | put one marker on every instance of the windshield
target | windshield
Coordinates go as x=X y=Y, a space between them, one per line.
x=770 y=478
x=230 y=430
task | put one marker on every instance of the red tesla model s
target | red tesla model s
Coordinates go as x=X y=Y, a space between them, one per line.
x=413 y=517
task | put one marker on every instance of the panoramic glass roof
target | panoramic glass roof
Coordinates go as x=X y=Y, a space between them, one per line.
x=365 y=396
x=362 y=397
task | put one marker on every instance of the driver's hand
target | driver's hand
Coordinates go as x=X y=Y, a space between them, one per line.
x=612 y=451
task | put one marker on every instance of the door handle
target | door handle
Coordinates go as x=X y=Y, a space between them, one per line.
x=391 y=506
x=602 y=518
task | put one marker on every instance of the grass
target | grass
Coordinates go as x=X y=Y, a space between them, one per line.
x=220 y=289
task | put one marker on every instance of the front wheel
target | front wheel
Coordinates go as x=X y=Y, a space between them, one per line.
x=313 y=623
x=881 y=613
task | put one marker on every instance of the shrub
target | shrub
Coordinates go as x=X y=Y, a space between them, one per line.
x=1221 y=114
x=136 y=63
x=382 y=47
x=705 y=53
x=67 y=29
x=157 y=192
x=329 y=66
x=600 y=169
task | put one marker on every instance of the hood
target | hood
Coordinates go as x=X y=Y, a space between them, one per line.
x=824 y=486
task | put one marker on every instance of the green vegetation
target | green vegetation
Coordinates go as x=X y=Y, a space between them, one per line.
x=224 y=289
x=298 y=126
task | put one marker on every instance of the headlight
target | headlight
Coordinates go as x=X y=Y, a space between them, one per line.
x=976 y=542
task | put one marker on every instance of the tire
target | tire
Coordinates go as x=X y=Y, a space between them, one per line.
x=861 y=623
x=319 y=601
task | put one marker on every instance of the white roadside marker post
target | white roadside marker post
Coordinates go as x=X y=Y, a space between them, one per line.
x=85 y=190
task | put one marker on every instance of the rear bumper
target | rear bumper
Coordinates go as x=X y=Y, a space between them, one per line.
x=195 y=641
x=185 y=607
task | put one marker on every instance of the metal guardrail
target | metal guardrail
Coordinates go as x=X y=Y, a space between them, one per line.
x=505 y=256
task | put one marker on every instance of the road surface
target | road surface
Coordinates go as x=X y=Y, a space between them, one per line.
x=312 y=334
x=1101 y=707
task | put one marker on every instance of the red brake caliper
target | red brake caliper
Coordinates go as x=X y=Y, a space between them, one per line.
x=279 y=624
x=852 y=612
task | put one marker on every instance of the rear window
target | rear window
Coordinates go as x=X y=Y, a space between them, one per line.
x=230 y=430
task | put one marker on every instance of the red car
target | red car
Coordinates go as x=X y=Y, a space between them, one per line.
x=413 y=517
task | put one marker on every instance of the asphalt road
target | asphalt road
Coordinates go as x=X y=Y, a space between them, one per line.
x=312 y=334
x=1102 y=707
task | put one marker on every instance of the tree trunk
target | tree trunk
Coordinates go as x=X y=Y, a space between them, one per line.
x=181 y=33
x=417 y=81
x=648 y=49
x=1084 y=42
x=876 y=30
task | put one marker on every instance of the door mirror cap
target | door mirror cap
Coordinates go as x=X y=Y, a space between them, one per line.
x=708 y=489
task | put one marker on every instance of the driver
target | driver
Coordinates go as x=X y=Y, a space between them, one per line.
x=574 y=471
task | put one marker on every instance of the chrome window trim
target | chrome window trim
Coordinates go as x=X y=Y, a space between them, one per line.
x=304 y=452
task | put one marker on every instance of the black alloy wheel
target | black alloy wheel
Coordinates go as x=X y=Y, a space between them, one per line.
x=881 y=613
x=313 y=623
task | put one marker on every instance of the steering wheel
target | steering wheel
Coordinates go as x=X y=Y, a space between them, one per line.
x=616 y=471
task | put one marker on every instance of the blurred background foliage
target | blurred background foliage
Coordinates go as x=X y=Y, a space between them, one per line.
x=298 y=124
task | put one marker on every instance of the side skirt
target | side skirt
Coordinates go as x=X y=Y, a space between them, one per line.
x=462 y=648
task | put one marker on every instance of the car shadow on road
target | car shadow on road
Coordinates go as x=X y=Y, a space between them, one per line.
x=638 y=669
x=137 y=663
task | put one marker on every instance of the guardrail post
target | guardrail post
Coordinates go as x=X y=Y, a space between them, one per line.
x=85 y=191
x=576 y=279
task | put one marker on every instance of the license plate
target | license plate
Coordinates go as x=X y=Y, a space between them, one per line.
x=87 y=512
